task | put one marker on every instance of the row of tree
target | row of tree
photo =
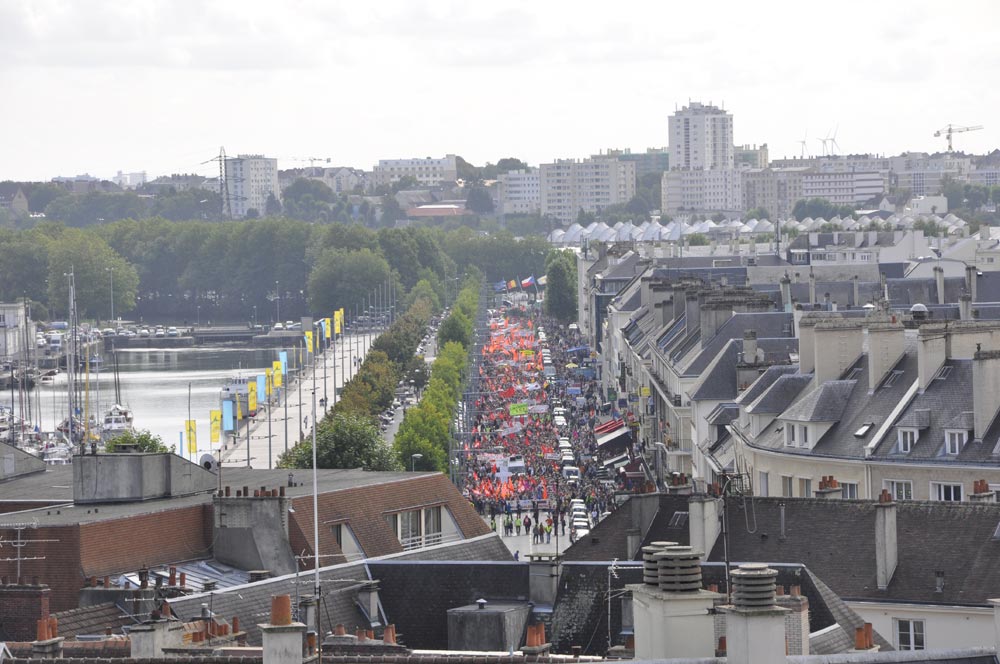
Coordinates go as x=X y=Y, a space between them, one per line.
x=425 y=428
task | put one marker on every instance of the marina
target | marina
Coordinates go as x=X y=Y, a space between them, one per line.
x=159 y=387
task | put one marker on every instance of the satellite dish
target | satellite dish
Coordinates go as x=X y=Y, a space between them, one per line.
x=209 y=462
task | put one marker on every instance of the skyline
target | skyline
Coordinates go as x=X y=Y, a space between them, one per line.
x=159 y=86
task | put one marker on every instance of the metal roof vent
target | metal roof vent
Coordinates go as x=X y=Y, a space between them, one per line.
x=680 y=569
x=650 y=566
x=753 y=586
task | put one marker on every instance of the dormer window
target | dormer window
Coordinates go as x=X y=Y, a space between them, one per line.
x=906 y=439
x=954 y=441
x=790 y=435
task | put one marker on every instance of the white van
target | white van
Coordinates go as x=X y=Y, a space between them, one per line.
x=515 y=465
x=571 y=473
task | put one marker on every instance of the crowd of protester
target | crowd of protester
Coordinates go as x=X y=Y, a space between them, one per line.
x=531 y=369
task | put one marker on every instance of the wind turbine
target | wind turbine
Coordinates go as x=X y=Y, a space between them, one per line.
x=834 y=146
x=805 y=138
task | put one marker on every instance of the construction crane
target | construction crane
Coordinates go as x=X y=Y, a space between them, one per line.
x=952 y=129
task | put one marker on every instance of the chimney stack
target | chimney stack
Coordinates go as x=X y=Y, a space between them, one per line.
x=932 y=350
x=857 y=291
x=749 y=347
x=755 y=625
x=885 y=348
x=283 y=639
x=985 y=389
x=971 y=278
x=939 y=282
x=786 y=294
x=836 y=346
x=812 y=287
x=886 y=552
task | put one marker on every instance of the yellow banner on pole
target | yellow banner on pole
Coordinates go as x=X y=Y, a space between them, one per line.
x=251 y=397
x=215 y=416
x=338 y=321
x=309 y=341
x=192 y=435
x=239 y=409
x=327 y=327
x=277 y=373
x=268 y=378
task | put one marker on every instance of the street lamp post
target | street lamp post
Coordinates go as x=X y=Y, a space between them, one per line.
x=255 y=316
x=413 y=461
x=198 y=307
x=277 y=301
x=111 y=270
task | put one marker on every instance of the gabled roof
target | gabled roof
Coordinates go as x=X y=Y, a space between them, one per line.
x=93 y=620
x=767 y=325
x=824 y=404
x=782 y=392
x=719 y=379
x=766 y=380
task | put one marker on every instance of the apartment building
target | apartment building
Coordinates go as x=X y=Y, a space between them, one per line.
x=774 y=189
x=701 y=138
x=707 y=191
x=843 y=187
x=250 y=179
x=570 y=185
x=519 y=192
x=428 y=172
x=653 y=160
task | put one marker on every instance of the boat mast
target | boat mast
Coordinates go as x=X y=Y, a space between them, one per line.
x=70 y=354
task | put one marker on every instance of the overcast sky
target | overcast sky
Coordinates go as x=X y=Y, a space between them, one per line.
x=94 y=86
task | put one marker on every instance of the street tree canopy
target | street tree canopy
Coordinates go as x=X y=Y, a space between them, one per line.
x=343 y=441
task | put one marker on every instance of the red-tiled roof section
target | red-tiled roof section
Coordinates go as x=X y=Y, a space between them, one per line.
x=364 y=510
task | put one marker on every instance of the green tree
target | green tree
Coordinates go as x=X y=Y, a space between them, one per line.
x=696 y=240
x=343 y=441
x=138 y=441
x=91 y=261
x=273 y=206
x=508 y=164
x=560 y=287
x=457 y=327
x=309 y=200
x=757 y=213
x=344 y=278
x=479 y=200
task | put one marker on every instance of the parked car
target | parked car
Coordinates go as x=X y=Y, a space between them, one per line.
x=173 y=332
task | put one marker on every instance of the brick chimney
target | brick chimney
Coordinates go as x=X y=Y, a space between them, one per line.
x=829 y=488
x=981 y=492
x=755 y=624
x=283 y=639
x=47 y=644
x=985 y=389
x=886 y=552
x=21 y=607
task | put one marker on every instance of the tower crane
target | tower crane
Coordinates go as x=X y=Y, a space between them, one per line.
x=953 y=129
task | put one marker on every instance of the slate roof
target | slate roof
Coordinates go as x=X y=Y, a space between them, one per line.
x=340 y=585
x=946 y=400
x=768 y=325
x=723 y=414
x=824 y=404
x=718 y=381
x=835 y=540
x=416 y=595
x=779 y=391
x=93 y=620
x=765 y=381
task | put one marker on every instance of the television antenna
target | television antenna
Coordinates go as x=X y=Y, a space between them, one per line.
x=18 y=543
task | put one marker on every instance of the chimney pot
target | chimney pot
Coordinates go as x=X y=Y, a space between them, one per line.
x=107 y=582
x=311 y=642
x=869 y=636
x=246 y=491
x=93 y=582
x=281 y=491
x=42 y=630
x=227 y=491
x=281 y=610
x=256 y=493
x=721 y=650
x=184 y=577
x=172 y=579
x=53 y=627
x=860 y=643
x=339 y=630
x=360 y=634
x=236 y=623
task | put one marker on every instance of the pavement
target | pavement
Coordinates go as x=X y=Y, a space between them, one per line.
x=269 y=436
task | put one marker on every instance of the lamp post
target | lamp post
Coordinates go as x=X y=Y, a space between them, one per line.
x=198 y=307
x=277 y=302
x=255 y=316
x=413 y=461
x=111 y=270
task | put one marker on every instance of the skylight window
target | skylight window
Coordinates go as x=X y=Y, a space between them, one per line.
x=678 y=520
x=863 y=431
x=892 y=378
x=944 y=373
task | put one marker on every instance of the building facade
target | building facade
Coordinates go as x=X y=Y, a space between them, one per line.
x=250 y=179
x=569 y=185
x=519 y=192
x=427 y=172
x=701 y=137
x=701 y=191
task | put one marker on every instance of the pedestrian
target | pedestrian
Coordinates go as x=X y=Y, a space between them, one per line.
x=517 y=525
x=548 y=533
x=493 y=524
x=527 y=525
x=562 y=520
